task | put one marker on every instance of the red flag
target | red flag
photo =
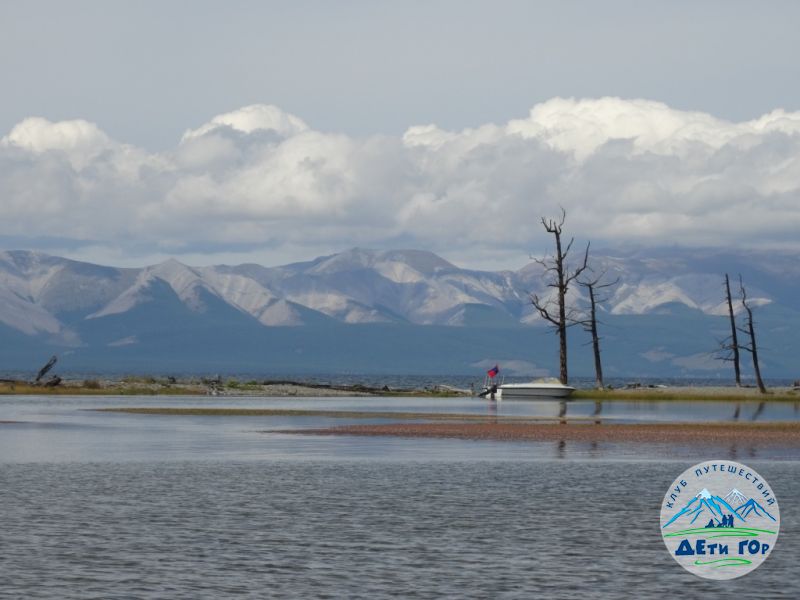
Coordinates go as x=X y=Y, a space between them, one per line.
x=492 y=373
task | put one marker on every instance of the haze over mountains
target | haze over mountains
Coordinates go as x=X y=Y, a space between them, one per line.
x=401 y=311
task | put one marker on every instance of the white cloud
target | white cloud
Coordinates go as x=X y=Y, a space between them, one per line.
x=78 y=140
x=39 y=135
x=256 y=117
x=259 y=181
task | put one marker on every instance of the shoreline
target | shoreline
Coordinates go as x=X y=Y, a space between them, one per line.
x=149 y=386
x=691 y=392
x=214 y=388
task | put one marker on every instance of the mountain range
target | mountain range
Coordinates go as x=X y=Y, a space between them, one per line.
x=705 y=504
x=702 y=505
x=401 y=311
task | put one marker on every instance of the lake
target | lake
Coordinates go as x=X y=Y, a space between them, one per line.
x=108 y=505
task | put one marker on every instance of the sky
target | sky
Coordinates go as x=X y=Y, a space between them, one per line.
x=271 y=132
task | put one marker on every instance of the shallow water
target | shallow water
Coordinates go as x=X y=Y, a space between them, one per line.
x=105 y=505
x=65 y=429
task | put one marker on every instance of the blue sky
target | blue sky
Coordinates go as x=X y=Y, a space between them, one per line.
x=417 y=126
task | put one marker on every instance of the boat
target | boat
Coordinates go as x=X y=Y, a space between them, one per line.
x=533 y=389
x=530 y=390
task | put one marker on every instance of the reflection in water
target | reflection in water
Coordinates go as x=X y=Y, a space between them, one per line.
x=561 y=450
x=593 y=449
x=612 y=410
x=493 y=410
x=749 y=452
x=64 y=430
x=598 y=408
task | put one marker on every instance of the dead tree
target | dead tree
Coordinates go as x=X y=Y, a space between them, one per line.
x=730 y=346
x=561 y=276
x=749 y=330
x=594 y=287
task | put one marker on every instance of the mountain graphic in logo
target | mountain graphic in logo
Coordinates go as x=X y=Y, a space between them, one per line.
x=707 y=505
x=751 y=507
x=735 y=497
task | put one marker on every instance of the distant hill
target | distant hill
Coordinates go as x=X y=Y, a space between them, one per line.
x=401 y=311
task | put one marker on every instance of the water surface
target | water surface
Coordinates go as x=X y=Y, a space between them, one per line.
x=109 y=505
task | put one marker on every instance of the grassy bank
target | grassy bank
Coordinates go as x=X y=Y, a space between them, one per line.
x=77 y=389
x=721 y=394
x=148 y=386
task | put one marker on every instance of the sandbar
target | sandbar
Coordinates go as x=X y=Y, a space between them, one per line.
x=777 y=434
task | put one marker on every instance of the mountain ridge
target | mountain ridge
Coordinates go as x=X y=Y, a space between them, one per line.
x=64 y=303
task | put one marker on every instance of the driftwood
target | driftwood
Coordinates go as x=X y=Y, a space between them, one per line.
x=53 y=381
x=43 y=371
x=214 y=385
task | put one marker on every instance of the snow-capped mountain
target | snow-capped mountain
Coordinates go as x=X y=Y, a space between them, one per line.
x=357 y=286
x=706 y=505
x=735 y=497
x=666 y=308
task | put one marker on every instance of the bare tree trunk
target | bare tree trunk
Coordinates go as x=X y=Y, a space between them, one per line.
x=759 y=382
x=753 y=349
x=562 y=310
x=734 y=338
x=590 y=324
x=598 y=366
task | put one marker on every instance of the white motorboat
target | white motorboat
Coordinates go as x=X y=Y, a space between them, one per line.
x=534 y=389
x=530 y=390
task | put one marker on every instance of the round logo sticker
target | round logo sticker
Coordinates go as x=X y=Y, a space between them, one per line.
x=720 y=519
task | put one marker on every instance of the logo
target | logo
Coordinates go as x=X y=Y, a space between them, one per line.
x=720 y=519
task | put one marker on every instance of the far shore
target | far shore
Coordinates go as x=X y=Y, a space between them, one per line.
x=152 y=386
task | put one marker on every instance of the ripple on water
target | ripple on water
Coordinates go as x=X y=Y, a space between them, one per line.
x=355 y=529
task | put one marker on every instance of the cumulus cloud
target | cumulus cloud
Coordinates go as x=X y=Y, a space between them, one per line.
x=79 y=141
x=256 y=117
x=259 y=180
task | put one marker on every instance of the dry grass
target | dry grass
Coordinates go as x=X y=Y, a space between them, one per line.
x=148 y=386
x=27 y=389
x=718 y=394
